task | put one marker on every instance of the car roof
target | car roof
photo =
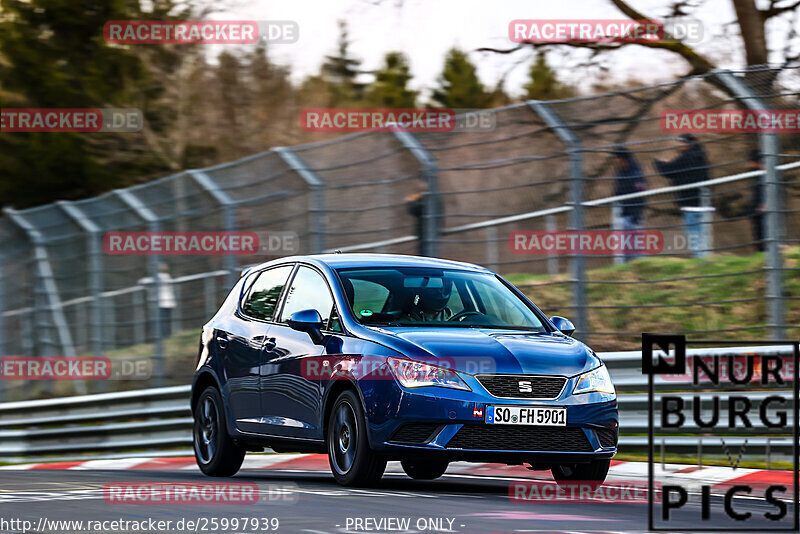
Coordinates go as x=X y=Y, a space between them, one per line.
x=353 y=261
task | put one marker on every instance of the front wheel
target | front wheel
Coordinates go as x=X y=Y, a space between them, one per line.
x=594 y=473
x=424 y=469
x=216 y=453
x=352 y=461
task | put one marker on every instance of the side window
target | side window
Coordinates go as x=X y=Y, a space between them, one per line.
x=336 y=323
x=368 y=296
x=263 y=297
x=308 y=291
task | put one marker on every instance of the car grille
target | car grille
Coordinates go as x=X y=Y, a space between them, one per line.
x=415 y=432
x=508 y=386
x=606 y=436
x=520 y=438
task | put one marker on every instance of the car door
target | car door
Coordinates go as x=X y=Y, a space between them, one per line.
x=290 y=394
x=243 y=343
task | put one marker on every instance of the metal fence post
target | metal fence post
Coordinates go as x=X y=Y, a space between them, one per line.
x=316 y=208
x=93 y=249
x=228 y=206
x=492 y=256
x=94 y=235
x=770 y=148
x=210 y=295
x=708 y=219
x=575 y=151
x=46 y=283
x=616 y=225
x=150 y=218
x=551 y=225
x=139 y=317
x=430 y=175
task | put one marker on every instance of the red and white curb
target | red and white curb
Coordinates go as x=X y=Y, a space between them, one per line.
x=688 y=476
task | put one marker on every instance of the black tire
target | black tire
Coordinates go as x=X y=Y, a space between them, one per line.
x=424 y=469
x=352 y=462
x=216 y=453
x=593 y=473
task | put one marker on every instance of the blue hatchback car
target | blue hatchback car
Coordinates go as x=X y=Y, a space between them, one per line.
x=372 y=357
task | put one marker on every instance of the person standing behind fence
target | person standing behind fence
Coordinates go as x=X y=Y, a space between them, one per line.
x=757 y=200
x=691 y=166
x=629 y=180
x=166 y=298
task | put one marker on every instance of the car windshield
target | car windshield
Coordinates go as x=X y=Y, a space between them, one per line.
x=421 y=296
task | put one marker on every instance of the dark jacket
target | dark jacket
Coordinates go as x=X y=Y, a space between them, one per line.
x=630 y=180
x=690 y=167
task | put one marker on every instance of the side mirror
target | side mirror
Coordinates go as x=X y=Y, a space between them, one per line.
x=308 y=321
x=564 y=325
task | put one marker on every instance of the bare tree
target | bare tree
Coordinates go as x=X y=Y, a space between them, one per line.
x=750 y=20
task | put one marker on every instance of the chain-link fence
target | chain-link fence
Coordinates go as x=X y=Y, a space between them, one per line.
x=544 y=167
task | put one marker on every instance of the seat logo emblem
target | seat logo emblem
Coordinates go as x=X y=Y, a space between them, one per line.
x=525 y=386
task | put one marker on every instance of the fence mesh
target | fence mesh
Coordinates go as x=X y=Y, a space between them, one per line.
x=61 y=294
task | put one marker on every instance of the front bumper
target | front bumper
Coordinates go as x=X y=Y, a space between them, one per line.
x=448 y=422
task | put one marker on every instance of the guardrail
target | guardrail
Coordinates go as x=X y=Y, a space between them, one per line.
x=158 y=422
x=149 y=421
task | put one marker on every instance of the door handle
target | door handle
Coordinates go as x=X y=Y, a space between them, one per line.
x=222 y=342
x=270 y=344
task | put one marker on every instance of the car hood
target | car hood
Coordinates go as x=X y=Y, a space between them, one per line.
x=476 y=351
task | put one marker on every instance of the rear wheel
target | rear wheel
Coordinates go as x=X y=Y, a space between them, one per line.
x=216 y=453
x=352 y=462
x=424 y=469
x=594 y=473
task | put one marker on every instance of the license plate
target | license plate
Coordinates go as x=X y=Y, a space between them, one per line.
x=526 y=415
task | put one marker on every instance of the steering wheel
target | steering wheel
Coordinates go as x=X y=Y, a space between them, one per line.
x=460 y=316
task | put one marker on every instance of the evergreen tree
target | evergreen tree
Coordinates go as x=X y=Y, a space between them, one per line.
x=54 y=56
x=341 y=70
x=543 y=83
x=272 y=100
x=460 y=87
x=230 y=102
x=389 y=90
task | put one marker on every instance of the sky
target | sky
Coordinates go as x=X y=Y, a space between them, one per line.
x=425 y=30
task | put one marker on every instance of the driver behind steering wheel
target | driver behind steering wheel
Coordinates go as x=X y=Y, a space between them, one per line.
x=429 y=303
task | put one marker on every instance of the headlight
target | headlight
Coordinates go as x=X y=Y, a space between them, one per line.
x=413 y=374
x=595 y=380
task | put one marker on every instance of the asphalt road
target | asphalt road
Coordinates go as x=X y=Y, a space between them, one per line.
x=311 y=502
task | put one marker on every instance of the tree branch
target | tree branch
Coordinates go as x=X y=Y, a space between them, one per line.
x=774 y=9
x=699 y=64
x=498 y=50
